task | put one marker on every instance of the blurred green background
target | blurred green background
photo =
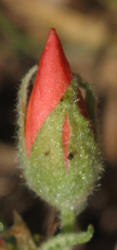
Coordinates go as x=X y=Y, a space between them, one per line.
x=88 y=32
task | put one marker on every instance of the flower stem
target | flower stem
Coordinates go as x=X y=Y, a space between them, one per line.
x=67 y=221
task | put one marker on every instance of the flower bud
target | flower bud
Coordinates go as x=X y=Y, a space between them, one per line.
x=61 y=161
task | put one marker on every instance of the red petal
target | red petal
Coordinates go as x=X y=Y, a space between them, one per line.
x=65 y=140
x=53 y=77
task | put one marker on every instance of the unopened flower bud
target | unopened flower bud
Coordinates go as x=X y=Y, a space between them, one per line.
x=61 y=161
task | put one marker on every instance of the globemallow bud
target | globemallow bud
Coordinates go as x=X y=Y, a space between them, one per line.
x=60 y=159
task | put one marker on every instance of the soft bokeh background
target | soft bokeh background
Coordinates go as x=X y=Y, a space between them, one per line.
x=88 y=32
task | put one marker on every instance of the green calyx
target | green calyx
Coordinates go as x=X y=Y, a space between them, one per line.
x=45 y=170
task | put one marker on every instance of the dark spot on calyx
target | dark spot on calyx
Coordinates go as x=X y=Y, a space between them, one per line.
x=47 y=153
x=70 y=156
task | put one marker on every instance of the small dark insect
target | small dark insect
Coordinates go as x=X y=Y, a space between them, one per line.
x=70 y=156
